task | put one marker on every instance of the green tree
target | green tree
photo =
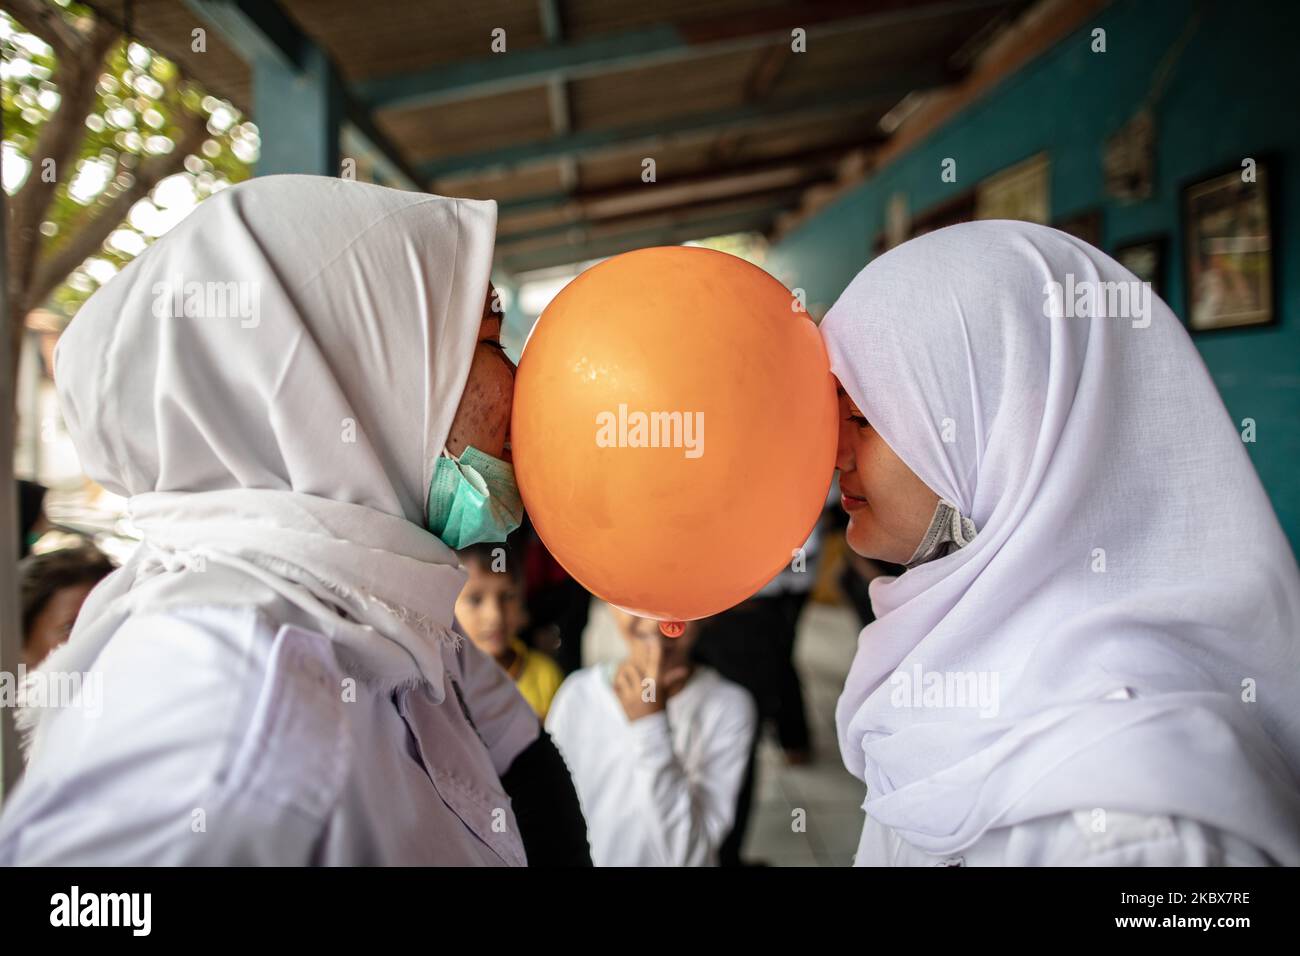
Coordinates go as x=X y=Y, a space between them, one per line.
x=94 y=122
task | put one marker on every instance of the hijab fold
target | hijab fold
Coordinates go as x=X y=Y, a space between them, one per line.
x=1130 y=594
x=270 y=384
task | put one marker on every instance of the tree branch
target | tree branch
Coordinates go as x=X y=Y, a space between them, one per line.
x=88 y=239
x=43 y=20
x=60 y=139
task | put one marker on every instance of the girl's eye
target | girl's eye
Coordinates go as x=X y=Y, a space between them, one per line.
x=859 y=420
x=495 y=343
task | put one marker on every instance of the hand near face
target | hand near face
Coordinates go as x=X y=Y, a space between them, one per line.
x=641 y=687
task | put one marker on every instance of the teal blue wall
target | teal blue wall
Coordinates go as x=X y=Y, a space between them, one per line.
x=1235 y=92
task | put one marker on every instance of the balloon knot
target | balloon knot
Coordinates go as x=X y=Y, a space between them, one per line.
x=672 y=628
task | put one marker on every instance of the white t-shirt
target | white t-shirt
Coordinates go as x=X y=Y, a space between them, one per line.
x=227 y=738
x=661 y=790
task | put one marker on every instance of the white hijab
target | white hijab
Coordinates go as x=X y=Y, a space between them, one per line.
x=1166 y=683
x=277 y=452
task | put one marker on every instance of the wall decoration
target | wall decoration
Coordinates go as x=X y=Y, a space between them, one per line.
x=1084 y=225
x=1018 y=192
x=1228 y=242
x=1145 y=258
x=1129 y=159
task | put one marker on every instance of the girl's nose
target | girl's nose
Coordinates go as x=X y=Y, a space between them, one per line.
x=844 y=460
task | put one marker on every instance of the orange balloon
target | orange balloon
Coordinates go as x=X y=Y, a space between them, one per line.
x=674 y=430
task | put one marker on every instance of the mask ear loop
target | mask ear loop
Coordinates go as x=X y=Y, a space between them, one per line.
x=942 y=531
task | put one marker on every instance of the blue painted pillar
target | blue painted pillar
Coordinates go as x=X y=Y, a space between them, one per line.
x=298 y=109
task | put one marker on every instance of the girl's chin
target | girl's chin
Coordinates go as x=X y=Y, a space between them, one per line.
x=858 y=535
x=860 y=538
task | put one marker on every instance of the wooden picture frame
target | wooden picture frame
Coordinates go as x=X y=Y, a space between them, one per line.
x=1229 y=228
x=1148 y=259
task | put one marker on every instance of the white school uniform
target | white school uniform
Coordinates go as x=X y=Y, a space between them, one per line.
x=1129 y=587
x=1080 y=838
x=225 y=738
x=282 y=679
x=660 y=790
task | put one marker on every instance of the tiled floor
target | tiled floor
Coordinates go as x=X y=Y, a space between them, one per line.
x=829 y=796
x=826 y=833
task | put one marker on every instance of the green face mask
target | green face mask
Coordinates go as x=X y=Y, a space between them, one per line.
x=473 y=498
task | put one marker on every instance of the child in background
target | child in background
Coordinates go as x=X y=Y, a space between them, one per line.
x=53 y=587
x=490 y=609
x=657 y=748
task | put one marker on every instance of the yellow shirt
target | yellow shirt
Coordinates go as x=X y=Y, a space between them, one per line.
x=536 y=675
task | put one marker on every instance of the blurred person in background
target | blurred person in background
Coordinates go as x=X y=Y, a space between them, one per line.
x=52 y=587
x=558 y=606
x=752 y=644
x=490 y=610
x=32 y=522
x=657 y=746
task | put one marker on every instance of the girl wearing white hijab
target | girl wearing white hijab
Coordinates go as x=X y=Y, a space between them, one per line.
x=1094 y=657
x=295 y=388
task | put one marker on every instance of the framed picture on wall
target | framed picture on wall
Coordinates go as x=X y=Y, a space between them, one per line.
x=1145 y=258
x=1021 y=191
x=1128 y=159
x=1228 y=242
x=958 y=209
x=1085 y=225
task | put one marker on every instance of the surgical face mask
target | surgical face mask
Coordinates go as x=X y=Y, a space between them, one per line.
x=948 y=531
x=473 y=499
